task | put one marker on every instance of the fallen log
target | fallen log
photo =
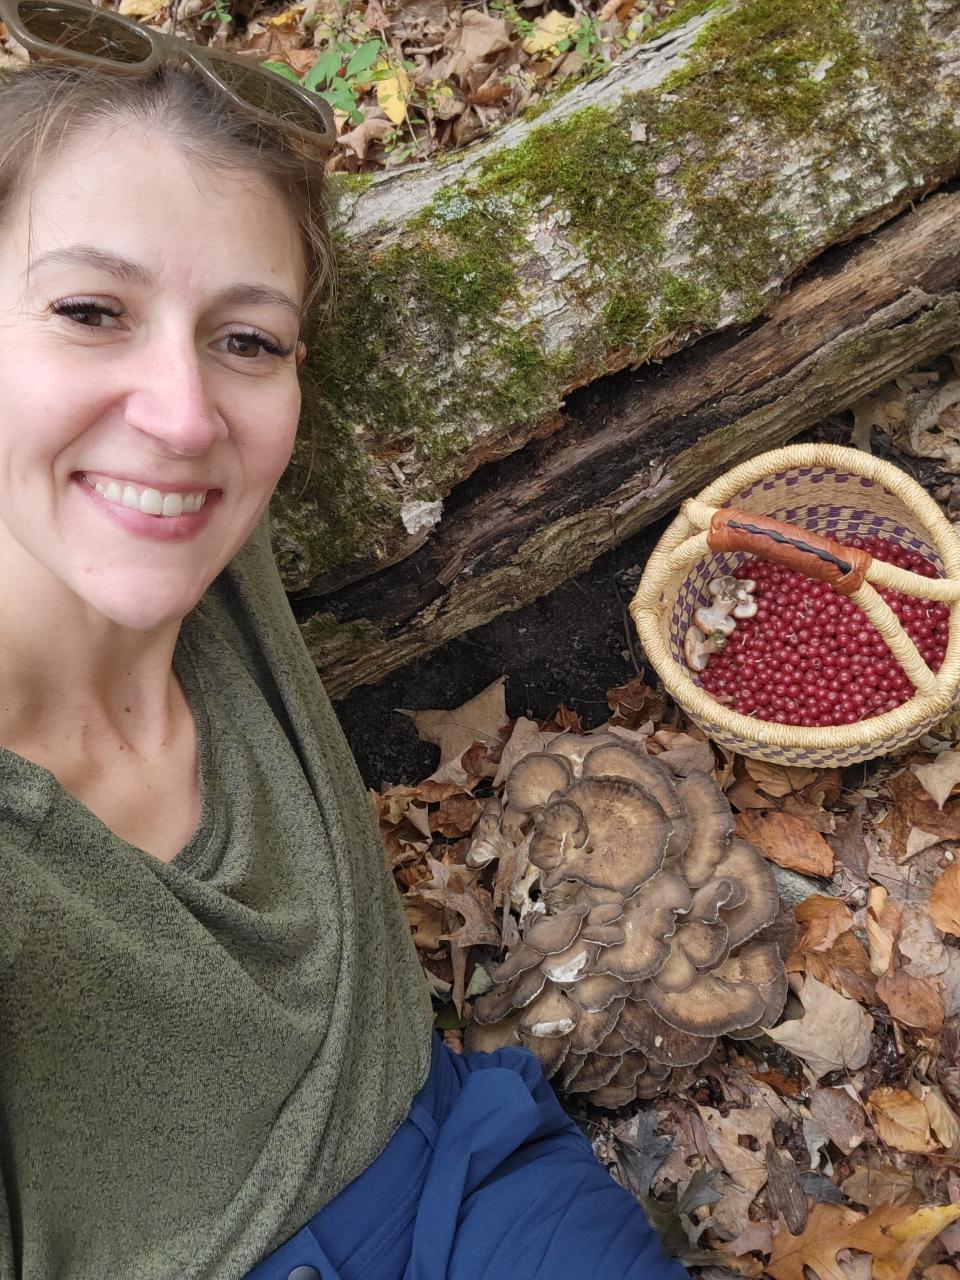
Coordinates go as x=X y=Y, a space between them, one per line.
x=670 y=198
x=628 y=449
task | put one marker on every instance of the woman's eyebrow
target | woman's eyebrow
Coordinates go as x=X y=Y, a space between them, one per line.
x=133 y=273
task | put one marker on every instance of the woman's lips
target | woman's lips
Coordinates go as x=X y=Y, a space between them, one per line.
x=157 y=528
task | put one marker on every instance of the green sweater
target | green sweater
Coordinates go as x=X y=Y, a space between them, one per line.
x=195 y=1056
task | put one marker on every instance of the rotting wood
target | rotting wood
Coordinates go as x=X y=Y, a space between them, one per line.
x=668 y=199
x=631 y=447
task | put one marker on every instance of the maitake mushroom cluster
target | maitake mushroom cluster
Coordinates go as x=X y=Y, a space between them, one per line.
x=647 y=928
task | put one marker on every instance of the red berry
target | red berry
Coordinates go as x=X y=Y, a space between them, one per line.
x=809 y=656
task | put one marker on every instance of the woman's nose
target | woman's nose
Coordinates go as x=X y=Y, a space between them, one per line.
x=171 y=399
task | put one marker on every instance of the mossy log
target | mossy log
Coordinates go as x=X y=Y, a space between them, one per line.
x=639 y=223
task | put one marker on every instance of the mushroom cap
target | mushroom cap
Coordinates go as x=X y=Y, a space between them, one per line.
x=568 y=965
x=619 y=760
x=591 y=1028
x=575 y=746
x=501 y=1001
x=736 y=994
x=648 y=921
x=515 y=962
x=551 y=934
x=551 y=1014
x=485 y=1037
x=534 y=778
x=653 y=1081
x=628 y=833
x=711 y=820
x=598 y=991
x=551 y=1050
x=595 y=1070
x=716 y=893
x=657 y=1040
x=746 y=866
x=693 y=947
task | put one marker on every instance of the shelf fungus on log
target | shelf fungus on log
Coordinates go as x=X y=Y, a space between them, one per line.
x=653 y=929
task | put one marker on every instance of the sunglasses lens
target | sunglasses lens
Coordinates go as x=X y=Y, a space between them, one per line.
x=268 y=92
x=94 y=33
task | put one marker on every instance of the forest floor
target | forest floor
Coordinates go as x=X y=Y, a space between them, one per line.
x=767 y=1158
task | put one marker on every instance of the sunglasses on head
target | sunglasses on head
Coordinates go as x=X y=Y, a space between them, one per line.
x=73 y=32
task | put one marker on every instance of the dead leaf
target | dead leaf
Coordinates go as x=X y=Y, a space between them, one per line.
x=912 y=1001
x=683 y=752
x=944 y=902
x=778 y=780
x=526 y=736
x=883 y=926
x=914 y=807
x=456 y=815
x=839 y=1114
x=845 y=966
x=548 y=31
x=940 y=776
x=141 y=8
x=834 y=1032
x=886 y=1185
x=746 y=1167
x=756 y=1237
x=821 y=920
x=358 y=140
x=893 y=1235
x=787 y=841
x=901 y=1120
x=848 y=842
x=477 y=39
x=943 y=1119
x=479 y=720
x=635 y=702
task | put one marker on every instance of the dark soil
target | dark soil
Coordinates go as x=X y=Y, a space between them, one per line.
x=568 y=647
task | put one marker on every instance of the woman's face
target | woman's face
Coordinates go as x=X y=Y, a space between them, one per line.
x=131 y=359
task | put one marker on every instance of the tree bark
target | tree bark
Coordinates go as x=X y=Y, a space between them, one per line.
x=644 y=218
x=631 y=448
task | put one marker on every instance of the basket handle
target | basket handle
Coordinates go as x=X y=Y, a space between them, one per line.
x=734 y=530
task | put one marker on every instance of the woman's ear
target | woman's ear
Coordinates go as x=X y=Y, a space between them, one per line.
x=301 y=353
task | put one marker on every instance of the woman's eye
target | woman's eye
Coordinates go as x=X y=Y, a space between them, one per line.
x=78 y=309
x=82 y=311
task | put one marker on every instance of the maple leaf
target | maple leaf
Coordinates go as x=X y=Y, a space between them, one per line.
x=893 y=1235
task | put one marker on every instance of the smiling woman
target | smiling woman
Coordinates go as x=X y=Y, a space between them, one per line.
x=216 y=1054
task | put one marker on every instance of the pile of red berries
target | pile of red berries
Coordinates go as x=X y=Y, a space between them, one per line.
x=810 y=656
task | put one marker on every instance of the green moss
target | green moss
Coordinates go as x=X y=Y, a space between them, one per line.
x=680 y=17
x=684 y=161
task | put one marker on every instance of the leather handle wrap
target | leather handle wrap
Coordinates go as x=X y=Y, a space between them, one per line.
x=734 y=530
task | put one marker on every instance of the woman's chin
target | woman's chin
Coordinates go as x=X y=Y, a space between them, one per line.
x=139 y=609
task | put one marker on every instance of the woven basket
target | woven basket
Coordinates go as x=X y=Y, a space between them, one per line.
x=787 y=506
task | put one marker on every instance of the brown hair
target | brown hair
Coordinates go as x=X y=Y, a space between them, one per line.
x=44 y=106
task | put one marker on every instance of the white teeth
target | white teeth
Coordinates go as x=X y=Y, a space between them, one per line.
x=150 y=501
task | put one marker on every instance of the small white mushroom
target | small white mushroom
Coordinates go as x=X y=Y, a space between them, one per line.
x=737 y=593
x=697 y=647
x=716 y=617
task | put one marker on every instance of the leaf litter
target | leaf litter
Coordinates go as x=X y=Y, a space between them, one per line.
x=832 y=1143
x=409 y=79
